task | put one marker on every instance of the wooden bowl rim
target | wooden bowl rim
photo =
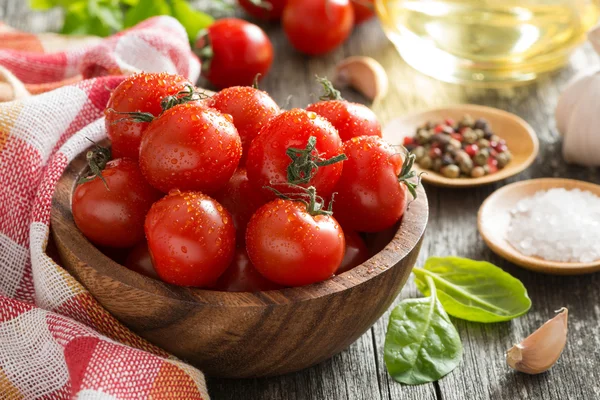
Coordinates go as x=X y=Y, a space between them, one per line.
x=537 y=264
x=416 y=216
x=436 y=179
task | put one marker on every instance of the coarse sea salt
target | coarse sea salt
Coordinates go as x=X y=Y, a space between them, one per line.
x=557 y=225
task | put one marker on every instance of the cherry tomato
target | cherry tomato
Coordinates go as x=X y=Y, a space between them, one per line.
x=371 y=194
x=190 y=147
x=268 y=10
x=289 y=246
x=363 y=10
x=140 y=261
x=114 y=217
x=138 y=93
x=356 y=252
x=267 y=159
x=233 y=52
x=241 y=276
x=350 y=119
x=241 y=200
x=250 y=108
x=191 y=238
x=316 y=27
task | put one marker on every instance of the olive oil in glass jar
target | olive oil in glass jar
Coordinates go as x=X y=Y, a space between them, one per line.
x=486 y=41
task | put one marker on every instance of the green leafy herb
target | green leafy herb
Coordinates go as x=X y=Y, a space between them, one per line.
x=421 y=344
x=192 y=20
x=105 y=17
x=474 y=290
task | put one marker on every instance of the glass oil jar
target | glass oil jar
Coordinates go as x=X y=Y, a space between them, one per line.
x=486 y=41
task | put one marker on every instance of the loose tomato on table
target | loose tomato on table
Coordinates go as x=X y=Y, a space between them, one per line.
x=191 y=238
x=110 y=207
x=140 y=261
x=241 y=276
x=294 y=243
x=356 y=252
x=372 y=193
x=268 y=10
x=316 y=27
x=234 y=52
x=190 y=147
x=350 y=119
x=363 y=10
x=139 y=93
x=241 y=200
x=250 y=108
x=270 y=158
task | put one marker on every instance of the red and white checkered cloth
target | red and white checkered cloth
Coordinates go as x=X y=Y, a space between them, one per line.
x=56 y=341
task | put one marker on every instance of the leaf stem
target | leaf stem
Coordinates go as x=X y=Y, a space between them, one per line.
x=305 y=164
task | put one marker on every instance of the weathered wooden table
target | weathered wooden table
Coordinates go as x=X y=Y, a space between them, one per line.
x=359 y=372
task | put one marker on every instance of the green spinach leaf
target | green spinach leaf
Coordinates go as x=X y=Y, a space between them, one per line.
x=145 y=9
x=421 y=344
x=474 y=290
x=193 y=21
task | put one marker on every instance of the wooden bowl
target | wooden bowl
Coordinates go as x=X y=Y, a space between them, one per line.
x=494 y=219
x=520 y=139
x=244 y=334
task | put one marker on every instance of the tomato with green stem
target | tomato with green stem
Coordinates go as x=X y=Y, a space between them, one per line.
x=297 y=147
x=316 y=27
x=142 y=94
x=190 y=147
x=241 y=276
x=268 y=10
x=191 y=238
x=234 y=52
x=372 y=193
x=350 y=119
x=109 y=207
x=295 y=242
x=250 y=108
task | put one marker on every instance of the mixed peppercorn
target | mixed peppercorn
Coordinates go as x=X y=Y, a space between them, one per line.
x=467 y=148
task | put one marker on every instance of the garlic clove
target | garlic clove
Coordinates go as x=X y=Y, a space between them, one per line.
x=539 y=351
x=364 y=74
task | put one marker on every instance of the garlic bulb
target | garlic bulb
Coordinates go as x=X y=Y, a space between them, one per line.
x=577 y=116
x=540 y=350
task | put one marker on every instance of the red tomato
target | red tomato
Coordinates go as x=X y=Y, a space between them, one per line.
x=356 y=252
x=190 y=147
x=363 y=10
x=237 y=52
x=191 y=238
x=371 y=195
x=140 y=261
x=267 y=159
x=289 y=246
x=115 y=216
x=241 y=200
x=138 y=93
x=316 y=27
x=268 y=10
x=250 y=108
x=350 y=119
x=241 y=276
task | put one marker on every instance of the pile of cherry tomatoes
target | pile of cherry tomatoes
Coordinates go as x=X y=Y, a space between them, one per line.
x=230 y=192
x=234 y=51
